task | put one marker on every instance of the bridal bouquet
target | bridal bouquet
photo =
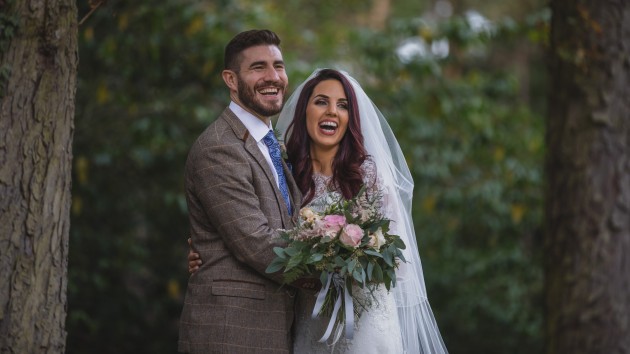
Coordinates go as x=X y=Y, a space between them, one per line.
x=349 y=242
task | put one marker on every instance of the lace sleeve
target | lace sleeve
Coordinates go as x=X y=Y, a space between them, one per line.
x=375 y=187
x=370 y=177
x=386 y=203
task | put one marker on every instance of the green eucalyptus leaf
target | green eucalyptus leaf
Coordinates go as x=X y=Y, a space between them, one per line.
x=276 y=265
x=323 y=277
x=373 y=253
x=388 y=257
x=315 y=257
x=294 y=262
x=279 y=251
x=291 y=251
x=356 y=274
x=378 y=273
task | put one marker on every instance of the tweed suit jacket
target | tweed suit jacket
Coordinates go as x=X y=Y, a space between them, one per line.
x=235 y=208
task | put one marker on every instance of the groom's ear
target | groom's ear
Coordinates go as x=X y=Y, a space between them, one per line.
x=229 y=77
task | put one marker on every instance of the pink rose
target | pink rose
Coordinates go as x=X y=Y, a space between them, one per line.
x=351 y=235
x=331 y=224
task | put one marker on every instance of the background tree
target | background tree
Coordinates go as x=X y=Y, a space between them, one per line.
x=587 y=212
x=38 y=61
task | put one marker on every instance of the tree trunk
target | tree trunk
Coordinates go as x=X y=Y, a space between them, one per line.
x=379 y=14
x=587 y=211
x=37 y=90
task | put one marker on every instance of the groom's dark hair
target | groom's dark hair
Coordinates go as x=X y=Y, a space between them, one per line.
x=244 y=40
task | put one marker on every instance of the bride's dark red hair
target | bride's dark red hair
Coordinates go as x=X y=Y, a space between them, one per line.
x=346 y=166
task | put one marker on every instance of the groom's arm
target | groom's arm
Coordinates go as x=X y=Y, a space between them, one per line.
x=307 y=283
x=224 y=183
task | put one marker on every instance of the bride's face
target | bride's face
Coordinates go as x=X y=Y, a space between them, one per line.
x=327 y=115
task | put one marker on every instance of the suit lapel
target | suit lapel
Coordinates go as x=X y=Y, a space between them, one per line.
x=294 y=191
x=252 y=148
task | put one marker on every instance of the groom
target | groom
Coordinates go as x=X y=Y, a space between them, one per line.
x=238 y=193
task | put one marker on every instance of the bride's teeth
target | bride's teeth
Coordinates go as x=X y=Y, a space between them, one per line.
x=330 y=125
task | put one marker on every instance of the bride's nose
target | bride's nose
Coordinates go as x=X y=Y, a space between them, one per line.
x=332 y=110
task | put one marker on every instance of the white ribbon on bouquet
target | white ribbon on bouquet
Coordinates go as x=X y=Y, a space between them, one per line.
x=339 y=282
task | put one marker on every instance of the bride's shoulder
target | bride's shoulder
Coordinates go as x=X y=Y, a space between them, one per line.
x=368 y=169
x=368 y=164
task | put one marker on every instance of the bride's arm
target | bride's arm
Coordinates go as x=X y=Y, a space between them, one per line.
x=388 y=205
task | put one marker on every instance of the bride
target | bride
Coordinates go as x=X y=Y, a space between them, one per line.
x=337 y=141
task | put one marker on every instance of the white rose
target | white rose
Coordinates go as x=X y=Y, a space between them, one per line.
x=377 y=239
x=309 y=215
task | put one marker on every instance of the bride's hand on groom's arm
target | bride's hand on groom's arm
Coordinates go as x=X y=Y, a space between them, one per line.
x=309 y=283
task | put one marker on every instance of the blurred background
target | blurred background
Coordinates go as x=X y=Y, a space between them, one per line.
x=462 y=83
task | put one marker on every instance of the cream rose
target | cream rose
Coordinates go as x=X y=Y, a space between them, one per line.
x=309 y=215
x=377 y=239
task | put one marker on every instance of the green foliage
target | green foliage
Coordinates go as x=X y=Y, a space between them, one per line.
x=8 y=26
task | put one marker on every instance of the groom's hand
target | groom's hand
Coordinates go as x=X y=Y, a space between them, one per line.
x=194 y=261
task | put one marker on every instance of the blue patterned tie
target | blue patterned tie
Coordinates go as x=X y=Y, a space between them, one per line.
x=276 y=158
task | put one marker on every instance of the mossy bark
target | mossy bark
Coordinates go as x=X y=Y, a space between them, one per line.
x=36 y=127
x=587 y=211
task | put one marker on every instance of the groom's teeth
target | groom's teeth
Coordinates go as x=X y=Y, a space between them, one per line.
x=269 y=91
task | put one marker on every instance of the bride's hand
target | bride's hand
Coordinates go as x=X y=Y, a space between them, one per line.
x=194 y=261
x=308 y=283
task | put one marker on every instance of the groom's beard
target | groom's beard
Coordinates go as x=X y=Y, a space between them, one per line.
x=247 y=96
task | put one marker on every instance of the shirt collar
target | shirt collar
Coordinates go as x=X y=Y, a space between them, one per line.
x=256 y=127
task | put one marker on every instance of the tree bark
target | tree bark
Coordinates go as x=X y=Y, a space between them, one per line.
x=36 y=126
x=587 y=211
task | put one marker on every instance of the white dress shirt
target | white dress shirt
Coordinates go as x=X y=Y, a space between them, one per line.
x=257 y=129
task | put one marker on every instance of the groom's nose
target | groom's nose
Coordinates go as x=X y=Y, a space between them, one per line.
x=271 y=74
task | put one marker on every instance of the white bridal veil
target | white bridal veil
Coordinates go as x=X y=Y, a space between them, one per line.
x=419 y=329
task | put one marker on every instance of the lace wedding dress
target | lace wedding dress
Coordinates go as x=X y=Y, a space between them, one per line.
x=376 y=326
